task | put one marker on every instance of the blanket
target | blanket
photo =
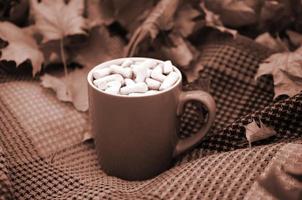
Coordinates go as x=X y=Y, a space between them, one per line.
x=42 y=155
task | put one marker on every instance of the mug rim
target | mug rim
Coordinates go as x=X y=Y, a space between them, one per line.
x=113 y=61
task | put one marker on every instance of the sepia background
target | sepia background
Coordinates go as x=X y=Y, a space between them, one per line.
x=246 y=53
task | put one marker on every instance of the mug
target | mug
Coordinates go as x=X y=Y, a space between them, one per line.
x=136 y=137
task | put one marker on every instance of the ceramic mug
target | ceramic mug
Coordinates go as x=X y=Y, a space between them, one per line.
x=136 y=137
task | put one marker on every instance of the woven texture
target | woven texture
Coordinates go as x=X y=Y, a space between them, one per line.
x=282 y=177
x=42 y=155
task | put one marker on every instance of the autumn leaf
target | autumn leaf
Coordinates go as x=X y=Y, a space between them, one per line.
x=295 y=37
x=99 y=47
x=97 y=13
x=160 y=18
x=72 y=88
x=59 y=86
x=233 y=13
x=255 y=132
x=193 y=72
x=286 y=69
x=128 y=13
x=275 y=15
x=131 y=14
x=181 y=52
x=52 y=53
x=20 y=47
x=15 y=11
x=56 y=19
x=51 y=50
x=213 y=20
x=185 y=20
x=275 y=44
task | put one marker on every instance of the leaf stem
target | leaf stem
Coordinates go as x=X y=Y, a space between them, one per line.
x=63 y=57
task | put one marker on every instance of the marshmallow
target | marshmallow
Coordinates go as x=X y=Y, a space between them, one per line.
x=129 y=81
x=157 y=73
x=141 y=73
x=127 y=63
x=168 y=67
x=150 y=77
x=169 y=81
x=149 y=71
x=137 y=87
x=113 y=87
x=153 y=84
x=150 y=64
x=102 y=82
x=125 y=72
x=99 y=73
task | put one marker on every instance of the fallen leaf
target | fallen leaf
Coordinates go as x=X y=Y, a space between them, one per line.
x=56 y=19
x=213 y=20
x=160 y=18
x=20 y=47
x=72 y=88
x=106 y=12
x=255 y=132
x=50 y=49
x=15 y=11
x=193 y=72
x=295 y=37
x=286 y=69
x=99 y=47
x=131 y=14
x=128 y=13
x=274 y=44
x=181 y=52
x=58 y=85
x=87 y=135
x=185 y=20
x=100 y=11
x=95 y=13
x=32 y=31
x=275 y=15
x=201 y=83
x=233 y=13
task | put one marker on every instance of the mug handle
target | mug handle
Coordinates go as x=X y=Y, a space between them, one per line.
x=207 y=100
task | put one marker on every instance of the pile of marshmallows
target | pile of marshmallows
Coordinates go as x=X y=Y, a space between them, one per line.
x=136 y=78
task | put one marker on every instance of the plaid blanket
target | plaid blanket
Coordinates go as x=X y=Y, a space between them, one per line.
x=42 y=155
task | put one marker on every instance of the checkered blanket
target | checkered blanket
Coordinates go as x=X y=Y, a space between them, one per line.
x=42 y=155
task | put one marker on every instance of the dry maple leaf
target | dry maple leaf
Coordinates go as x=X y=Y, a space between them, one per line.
x=181 y=52
x=185 y=20
x=193 y=73
x=72 y=88
x=20 y=46
x=276 y=15
x=255 y=132
x=213 y=20
x=233 y=13
x=56 y=19
x=99 y=47
x=130 y=14
x=52 y=53
x=286 y=69
x=295 y=37
x=97 y=13
x=275 y=44
x=160 y=18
